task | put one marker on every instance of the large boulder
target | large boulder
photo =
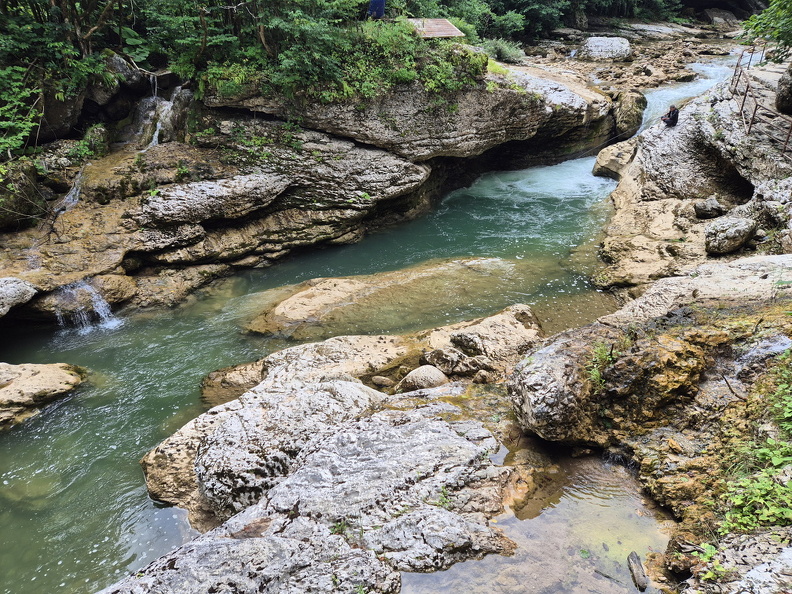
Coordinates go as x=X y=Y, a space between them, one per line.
x=25 y=389
x=605 y=48
x=728 y=234
x=596 y=384
x=783 y=101
x=410 y=122
x=628 y=110
x=396 y=491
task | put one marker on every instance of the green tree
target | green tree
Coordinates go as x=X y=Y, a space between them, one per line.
x=774 y=23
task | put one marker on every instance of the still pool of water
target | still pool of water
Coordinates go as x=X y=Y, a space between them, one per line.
x=573 y=536
x=74 y=514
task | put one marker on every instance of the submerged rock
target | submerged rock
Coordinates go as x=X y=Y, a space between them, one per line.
x=25 y=389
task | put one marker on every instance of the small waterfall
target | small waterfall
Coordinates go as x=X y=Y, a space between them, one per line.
x=72 y=197
x=81 y=306
x=157 y=119
x=155 y=137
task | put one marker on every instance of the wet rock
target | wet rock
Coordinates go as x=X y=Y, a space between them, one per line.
x=637 y=571
x=353 y=305
x=25 y=389
x=709 y=208
x=728 y=234
x=14 y=291
x=605 y=48
x=425 y=376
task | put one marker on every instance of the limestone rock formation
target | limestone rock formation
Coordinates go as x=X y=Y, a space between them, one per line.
x=560 y=393
x=628 y=111
x=407 y=122
x=25 y=389
x=397 y=486
x=728 y=234
x=605 y=48
x=656 y=230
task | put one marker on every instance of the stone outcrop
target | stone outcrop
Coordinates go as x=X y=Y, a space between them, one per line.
x=667 y=383
x=605 y=48
x=658 y=228
x=397 y=491
x=407 y=122
x=26 y=389
x=14 y=292
x=247 y=191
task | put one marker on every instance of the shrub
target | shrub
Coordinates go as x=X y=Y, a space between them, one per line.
x=504 y=50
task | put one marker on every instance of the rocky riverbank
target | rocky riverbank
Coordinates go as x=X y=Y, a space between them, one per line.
x=703 y=189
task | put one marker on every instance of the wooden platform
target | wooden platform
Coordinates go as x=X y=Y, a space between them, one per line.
x=435 y=28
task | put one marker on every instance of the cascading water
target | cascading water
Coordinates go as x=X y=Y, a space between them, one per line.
x=72 y=197
x=82 y=307
x=157 y=119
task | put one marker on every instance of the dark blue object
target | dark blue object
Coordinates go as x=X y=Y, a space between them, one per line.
x=376 y=9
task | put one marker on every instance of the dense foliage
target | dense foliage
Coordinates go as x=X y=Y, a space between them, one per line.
x=774 y=23
x=325 y=49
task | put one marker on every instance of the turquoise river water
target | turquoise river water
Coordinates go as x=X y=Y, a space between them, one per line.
x=74 y=513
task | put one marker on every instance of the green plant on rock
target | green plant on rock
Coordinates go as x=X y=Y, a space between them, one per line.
x=339 y=528
x=602 y=355
x=763 y=496
x=504 y=50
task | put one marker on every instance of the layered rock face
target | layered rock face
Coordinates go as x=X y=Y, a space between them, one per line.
x=246 y=191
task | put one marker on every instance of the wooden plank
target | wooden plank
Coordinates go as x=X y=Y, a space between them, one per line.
x=434 y=28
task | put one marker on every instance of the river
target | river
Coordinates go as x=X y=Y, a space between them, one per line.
x=74 y=513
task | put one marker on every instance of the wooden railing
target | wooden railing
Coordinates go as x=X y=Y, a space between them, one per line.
x=777 y=127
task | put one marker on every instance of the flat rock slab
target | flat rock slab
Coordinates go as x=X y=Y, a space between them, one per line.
x=324 y=307
x=26 y=388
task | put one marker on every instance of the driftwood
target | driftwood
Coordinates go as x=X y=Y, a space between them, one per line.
x=637 y=571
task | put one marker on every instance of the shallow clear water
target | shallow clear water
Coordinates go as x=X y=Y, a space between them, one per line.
x=573 y=537
x=74 y=514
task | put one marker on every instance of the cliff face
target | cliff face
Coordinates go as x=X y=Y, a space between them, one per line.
x=245 y=191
